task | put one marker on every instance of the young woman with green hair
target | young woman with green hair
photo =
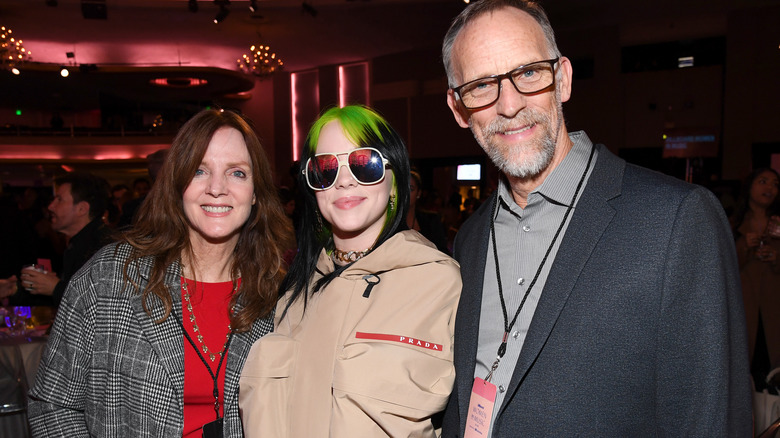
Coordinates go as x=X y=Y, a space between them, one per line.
x=362 y=344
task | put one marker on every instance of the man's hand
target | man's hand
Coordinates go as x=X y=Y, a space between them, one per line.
x=39 y=283
x=8 y=286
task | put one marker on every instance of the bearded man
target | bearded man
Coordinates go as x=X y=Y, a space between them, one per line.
x=599 y=298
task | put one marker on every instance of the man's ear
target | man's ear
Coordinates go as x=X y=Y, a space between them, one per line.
x=82 y=208
x=461 y=114
x=566 y=74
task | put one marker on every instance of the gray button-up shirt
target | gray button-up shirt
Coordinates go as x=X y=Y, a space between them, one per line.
x=523 y=236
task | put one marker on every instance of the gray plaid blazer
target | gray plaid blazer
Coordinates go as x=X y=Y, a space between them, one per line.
x=109 y=370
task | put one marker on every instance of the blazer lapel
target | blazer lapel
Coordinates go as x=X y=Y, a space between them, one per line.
x=166 y=338
x=473 y=248
x=591 y=217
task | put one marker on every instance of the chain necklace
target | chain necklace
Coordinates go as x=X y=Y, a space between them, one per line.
x=348 y=256
x=195 y=328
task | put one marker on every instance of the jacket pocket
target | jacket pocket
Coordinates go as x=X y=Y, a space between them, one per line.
x=399 y=372
x=265 y=385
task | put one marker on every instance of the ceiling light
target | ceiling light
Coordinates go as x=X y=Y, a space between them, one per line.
x=260 y=61
x=253 y=5
x=64 y=71
x=221 y=15
x=178 y=82
x=223 y=10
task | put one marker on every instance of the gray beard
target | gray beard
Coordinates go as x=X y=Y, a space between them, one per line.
x=540 y=151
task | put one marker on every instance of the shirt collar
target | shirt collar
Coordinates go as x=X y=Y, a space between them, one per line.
x=560 y=184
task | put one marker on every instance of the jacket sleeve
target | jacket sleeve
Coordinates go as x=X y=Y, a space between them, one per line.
x=59 y=396
x=702 y=379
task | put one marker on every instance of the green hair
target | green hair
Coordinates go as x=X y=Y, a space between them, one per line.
x=357 y=122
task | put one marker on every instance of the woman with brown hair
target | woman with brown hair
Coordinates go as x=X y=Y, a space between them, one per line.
x=152 y=334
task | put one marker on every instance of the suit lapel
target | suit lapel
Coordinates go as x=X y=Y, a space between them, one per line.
x=473 y=248
x=166 y=338
x=591 y=217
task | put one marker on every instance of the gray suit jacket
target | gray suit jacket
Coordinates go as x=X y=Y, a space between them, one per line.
x=640 y=329
x=109 y=370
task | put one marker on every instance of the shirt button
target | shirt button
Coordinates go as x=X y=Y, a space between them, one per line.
x=516 y=334
x=526 y=228
x=501 y=388
x=520 y=281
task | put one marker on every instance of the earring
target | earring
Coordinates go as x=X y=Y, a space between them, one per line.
x=392 y=202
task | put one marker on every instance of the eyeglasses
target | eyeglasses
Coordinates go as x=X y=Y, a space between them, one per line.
x=366 y=165
x=527 y=79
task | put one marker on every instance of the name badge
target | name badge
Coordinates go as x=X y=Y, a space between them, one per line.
x=483 y=399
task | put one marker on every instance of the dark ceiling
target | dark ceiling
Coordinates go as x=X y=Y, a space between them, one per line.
x=115 y=59
x=140 y=40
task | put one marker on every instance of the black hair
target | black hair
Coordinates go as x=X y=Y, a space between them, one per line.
x=89 y=188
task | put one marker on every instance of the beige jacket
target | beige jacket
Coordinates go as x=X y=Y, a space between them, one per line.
x=357 y=366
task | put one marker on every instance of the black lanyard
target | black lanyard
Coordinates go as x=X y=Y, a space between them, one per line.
x=203 y=359
x=508 y=325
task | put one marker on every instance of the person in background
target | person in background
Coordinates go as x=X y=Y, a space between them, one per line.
x=17 y=236
x=362 y=344
x=120 y=194
x=151 y=337
x=80 y=199
x=756 y=227
x=599 y=298
x=141 y=187
x=429 y=224
x=287 y=198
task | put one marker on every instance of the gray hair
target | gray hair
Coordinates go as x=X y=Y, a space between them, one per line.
x=481 y=7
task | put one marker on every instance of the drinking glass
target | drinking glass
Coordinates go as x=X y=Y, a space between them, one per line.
x=763 y=249
x=34 y=267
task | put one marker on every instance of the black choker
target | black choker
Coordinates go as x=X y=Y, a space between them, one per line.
x=348 y=256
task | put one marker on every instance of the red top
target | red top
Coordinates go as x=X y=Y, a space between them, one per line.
x=210 y=302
